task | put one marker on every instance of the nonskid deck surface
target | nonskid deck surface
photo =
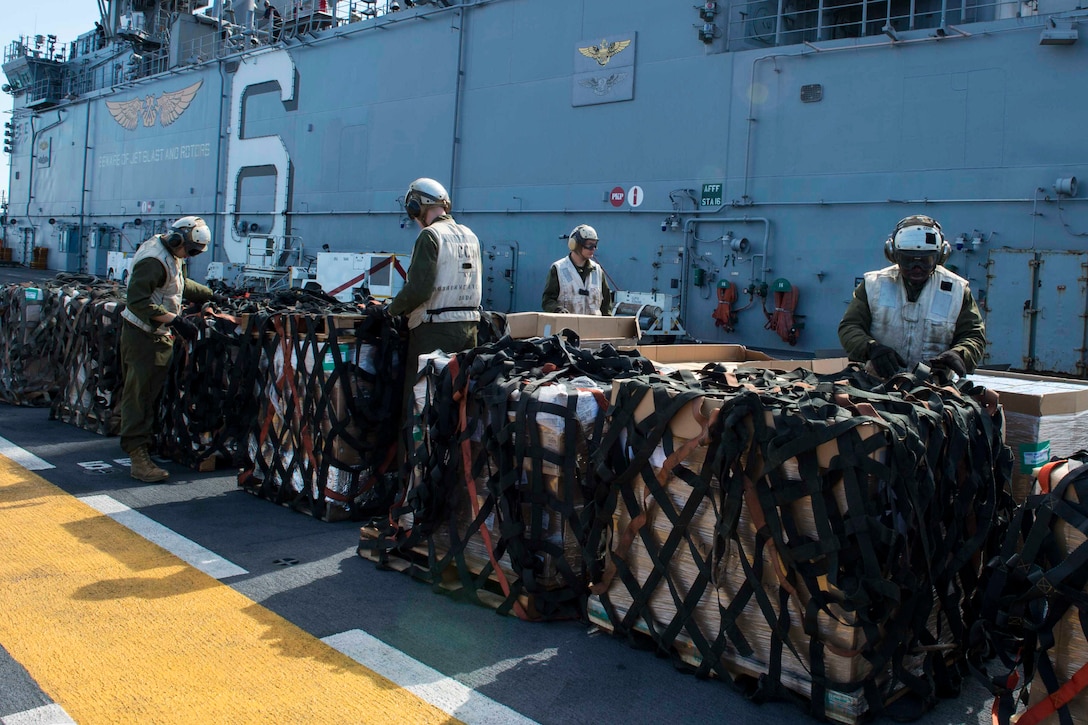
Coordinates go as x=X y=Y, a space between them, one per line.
x=259 y=595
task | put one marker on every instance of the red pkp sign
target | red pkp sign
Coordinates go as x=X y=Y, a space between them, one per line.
x=617 y=196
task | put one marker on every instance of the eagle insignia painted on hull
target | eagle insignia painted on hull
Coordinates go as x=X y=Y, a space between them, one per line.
x=603 y=51
x=602 y=84
x=167 y=106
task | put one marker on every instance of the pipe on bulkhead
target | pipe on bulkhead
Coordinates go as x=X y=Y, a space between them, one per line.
x=33 y=146
x=83 y=183
x=689 y=233
x=457 y=91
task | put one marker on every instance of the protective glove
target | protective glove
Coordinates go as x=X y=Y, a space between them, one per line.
x=950 y=360
x=183 y=327
x=886 y=361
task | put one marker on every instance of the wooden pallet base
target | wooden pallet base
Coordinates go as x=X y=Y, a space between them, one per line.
x=849 y=708
x=213 y=463
x=416 y=563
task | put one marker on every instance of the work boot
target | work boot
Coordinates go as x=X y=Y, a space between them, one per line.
x=143 y=469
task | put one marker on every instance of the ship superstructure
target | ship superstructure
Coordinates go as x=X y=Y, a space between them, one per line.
x=761 y=148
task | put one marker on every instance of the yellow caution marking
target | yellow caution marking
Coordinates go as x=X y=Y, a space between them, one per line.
x=115 y=629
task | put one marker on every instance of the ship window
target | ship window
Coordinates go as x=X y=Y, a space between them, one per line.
x=788 y=22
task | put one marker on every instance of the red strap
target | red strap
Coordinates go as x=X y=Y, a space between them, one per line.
x=1010 y=684
x=376 y=268
x=470 y=482
x=1055 y=700
x=1046 y=471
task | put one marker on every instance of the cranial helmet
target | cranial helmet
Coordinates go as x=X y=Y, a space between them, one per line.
x=189 y=232
x=580 y=235
x=422 y=193
x=917 y=234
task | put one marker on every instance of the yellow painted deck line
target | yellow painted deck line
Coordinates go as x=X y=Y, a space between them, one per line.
x=115 y=629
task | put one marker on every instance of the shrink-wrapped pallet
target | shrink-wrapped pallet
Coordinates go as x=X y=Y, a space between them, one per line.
x=92 y=378
x=321 y=441
x=30 y=348
x=501 y=496
x=776 y=529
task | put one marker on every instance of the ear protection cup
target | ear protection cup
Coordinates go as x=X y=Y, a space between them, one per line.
x=579 y=235
x=945 y=251
x=889 y=249
x=173 y=239
x=413 y=208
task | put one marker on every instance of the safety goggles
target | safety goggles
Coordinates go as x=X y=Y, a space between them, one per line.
x=908 y=259
x=590 y=247
x=192 y=248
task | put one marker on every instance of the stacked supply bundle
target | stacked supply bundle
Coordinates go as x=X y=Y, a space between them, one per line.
x=327 y=400
x=1035 y=605
x=89 y=330
x=208 y=404
x=503 y=494
x=29 y=346
x=800 y=533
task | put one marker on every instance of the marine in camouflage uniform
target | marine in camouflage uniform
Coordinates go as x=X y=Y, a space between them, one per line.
x=915 y=310
x=152 y=317
x=442 y=293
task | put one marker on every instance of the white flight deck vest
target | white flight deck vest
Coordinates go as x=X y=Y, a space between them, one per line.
x=169 y=295
x=580 y=298
x=457 y=283
x=918 y=330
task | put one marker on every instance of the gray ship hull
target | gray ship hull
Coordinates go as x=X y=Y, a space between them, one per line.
x=769 y=152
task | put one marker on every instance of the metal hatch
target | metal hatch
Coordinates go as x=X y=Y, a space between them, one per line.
x=1035 y=310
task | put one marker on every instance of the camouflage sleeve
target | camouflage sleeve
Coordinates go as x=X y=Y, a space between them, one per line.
x=969 y=339
x=606 y=297
x=147 y=276
x=854 y=326
x=196 y=292
x=549 y=301
x=422 y=272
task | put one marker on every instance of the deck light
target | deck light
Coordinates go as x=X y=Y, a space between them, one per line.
x=1058 y=32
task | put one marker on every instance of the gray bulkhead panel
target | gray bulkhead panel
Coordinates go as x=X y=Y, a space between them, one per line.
x=1035 y=310
x=1060 y=322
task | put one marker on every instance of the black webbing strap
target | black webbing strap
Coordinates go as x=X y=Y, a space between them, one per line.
x=1034 y=582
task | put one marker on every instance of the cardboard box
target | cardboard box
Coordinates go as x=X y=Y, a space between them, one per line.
x=694 y=357
x=590 y=328
x=1044 y=417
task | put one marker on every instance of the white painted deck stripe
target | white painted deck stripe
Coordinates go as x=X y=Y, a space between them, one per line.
x=23 y=457
x=44 y=715
x=422 y=681
x=185 y=549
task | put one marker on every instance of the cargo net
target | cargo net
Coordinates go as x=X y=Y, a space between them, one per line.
x=327 y=391
x=501 y=495
x=208 y=403
x=30 y=368
x=88 y=329
x=1035 y=605
x=799 y=534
